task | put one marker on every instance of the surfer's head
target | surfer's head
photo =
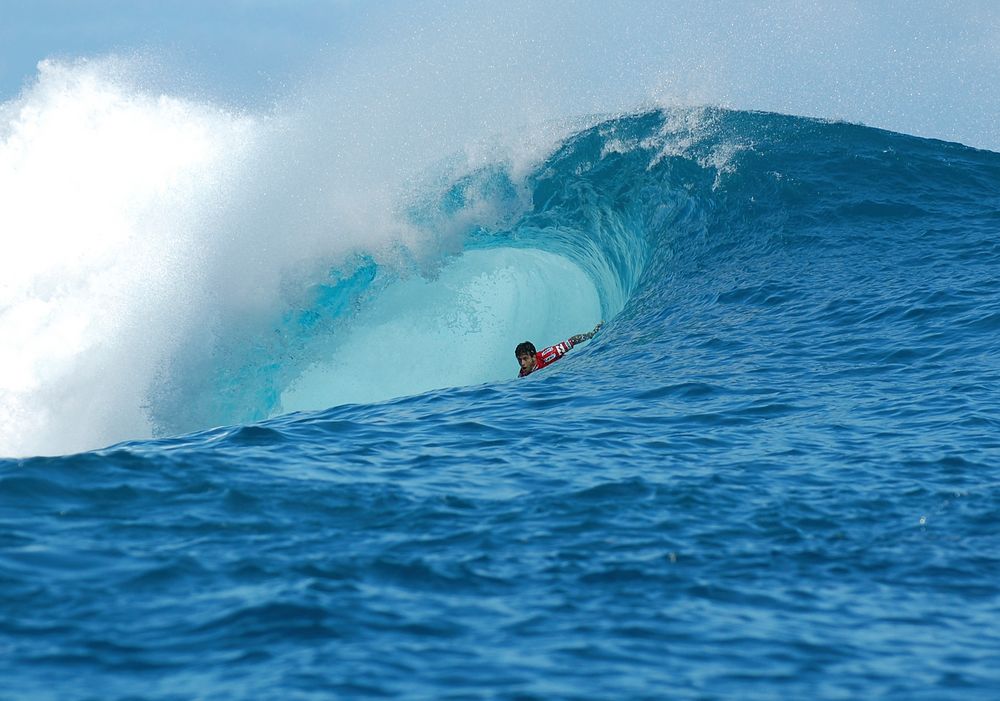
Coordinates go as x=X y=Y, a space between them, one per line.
x=525 y=354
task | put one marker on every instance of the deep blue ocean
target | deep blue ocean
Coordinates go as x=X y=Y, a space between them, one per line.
x=774 y=474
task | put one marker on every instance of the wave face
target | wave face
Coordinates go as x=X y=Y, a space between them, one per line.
x=773 y=474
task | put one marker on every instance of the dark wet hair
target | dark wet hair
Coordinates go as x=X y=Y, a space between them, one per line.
x=526 y=348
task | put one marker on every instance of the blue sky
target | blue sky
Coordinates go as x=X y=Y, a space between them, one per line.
x=235 y=48
x=926 y=68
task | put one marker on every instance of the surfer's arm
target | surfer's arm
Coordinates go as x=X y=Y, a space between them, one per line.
x=581 y=337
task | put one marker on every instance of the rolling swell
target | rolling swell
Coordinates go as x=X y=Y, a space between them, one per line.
x=804 y=225
x=673 y=216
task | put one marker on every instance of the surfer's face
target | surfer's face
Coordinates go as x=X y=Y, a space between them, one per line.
x=527 y=362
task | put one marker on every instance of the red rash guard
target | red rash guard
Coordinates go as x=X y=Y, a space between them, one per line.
x=549 y=355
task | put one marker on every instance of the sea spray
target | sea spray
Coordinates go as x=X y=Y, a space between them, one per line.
x=163 y=256
x=103 y=191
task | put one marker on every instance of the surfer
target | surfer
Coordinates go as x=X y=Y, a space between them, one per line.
x=531 y=360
